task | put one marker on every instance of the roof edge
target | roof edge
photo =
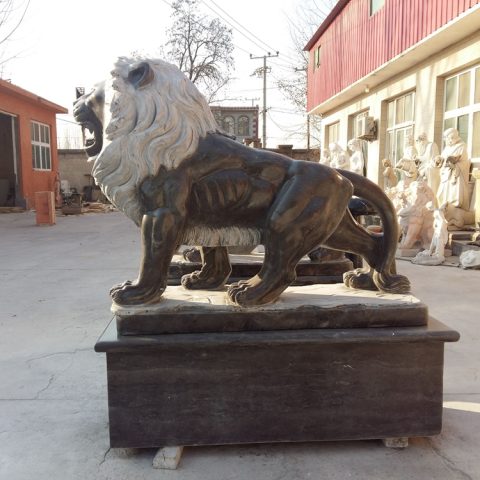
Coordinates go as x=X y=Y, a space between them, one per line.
x=21 y=92
x=326 y=23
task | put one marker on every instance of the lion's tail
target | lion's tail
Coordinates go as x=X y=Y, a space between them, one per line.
x=384 y=277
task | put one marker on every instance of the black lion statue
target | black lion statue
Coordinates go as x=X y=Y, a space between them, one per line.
x=159 y=157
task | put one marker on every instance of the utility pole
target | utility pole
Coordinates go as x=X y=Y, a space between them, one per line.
x=264 y=110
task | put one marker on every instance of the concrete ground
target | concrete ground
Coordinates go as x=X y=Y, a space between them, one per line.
x=53 y=398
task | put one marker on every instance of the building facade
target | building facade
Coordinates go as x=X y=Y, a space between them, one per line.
x=241 y=122
x=412 y=66
x=28 y=147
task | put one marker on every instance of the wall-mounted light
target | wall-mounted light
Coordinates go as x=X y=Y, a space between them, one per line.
x=367 y=89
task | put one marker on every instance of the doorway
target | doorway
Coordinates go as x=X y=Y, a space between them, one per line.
x=9 y=175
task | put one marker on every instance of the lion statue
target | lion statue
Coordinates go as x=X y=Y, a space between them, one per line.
x=160 y=158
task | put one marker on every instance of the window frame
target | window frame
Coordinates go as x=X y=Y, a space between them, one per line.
x=246 y=127
x=394 y=150
x=41 y=142
x=332 y=127
x=453 y=116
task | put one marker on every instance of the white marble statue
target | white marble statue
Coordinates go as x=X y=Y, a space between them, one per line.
x=407 y=164
x=325 y=157
x=390 y=180
x=435 y=255
x=454 y=172
x=428 y=168
x=338 y=157
x=416 y=217
x=357 y=161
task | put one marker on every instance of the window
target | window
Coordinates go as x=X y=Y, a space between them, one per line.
x=332 y=133
x=357 y=125
x=400 y=124
x=462 y=108
x=317 y=57
x=376 y=5
x=357 y=128
x=243 y=127
x=229 y=125
x=40 y=136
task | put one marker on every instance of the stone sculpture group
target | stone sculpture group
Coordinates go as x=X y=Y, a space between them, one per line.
x=444 y=199
x=336 y=157
x=159 y=157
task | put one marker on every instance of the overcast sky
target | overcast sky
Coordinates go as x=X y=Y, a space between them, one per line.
x=65 y=43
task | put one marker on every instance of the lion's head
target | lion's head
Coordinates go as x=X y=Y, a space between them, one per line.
x=151 y=116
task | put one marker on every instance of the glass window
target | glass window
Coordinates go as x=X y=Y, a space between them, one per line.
x=408 y=107
x=400 y=110
x=243 y=127
x=376 y=5
x=229 y=125
x=462 y=127
x=476 y=135
x=451 y=94
x=333 y=132
x=391 y=114
x=40 y=138
x=463 y=89
x=399 y=144
x=400 y=124
x=477 y=86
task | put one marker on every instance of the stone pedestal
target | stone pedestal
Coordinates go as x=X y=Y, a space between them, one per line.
x=291 y=385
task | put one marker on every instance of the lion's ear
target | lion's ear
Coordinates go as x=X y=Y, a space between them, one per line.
x=140 y=74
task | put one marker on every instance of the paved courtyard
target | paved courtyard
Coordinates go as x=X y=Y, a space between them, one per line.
x=53 y=413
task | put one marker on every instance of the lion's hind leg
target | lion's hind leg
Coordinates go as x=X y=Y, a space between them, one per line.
x=215 y=271
x=302 y=217
x=352 y=237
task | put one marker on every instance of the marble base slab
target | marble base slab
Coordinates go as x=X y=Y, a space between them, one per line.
x=300 y=307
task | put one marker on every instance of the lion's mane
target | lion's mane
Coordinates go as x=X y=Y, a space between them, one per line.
x=157 y=125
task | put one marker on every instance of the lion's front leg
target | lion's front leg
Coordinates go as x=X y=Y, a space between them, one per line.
x=215 y=270
x=160 y=231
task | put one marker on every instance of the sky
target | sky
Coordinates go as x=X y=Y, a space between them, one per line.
x=62 y=44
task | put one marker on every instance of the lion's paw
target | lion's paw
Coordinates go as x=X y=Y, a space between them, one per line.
x=195 y=281
x=238 y=287
x=359 y=279
x=119 y=286
x=137 y=295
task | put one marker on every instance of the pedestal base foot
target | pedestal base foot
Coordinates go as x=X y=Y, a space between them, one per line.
x=395 y=442
x=167 y=458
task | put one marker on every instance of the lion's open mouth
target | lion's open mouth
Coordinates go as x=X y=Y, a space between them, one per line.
x=93 y=137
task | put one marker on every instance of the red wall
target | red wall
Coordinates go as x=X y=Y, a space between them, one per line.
x=356 y=43
x=31 y=180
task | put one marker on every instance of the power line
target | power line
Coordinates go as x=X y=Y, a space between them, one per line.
x=233 y=26
x=250 y=39
x=245 y=28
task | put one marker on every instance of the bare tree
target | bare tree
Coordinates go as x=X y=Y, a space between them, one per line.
x=309 y=16
x=200 y=46
x=12 y=14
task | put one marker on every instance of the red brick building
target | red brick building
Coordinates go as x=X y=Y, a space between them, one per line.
x=28 y=148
